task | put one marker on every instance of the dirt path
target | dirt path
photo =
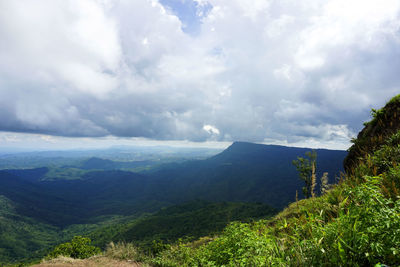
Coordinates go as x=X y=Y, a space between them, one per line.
x=97 y=261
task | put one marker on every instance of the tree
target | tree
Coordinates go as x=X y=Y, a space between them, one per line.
x=306 y=168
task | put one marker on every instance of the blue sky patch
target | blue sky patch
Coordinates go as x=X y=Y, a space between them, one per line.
x=189 y=12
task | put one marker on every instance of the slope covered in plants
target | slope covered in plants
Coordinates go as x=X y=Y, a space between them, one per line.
x=190 y=221
x=385 y=122
x=21 y=236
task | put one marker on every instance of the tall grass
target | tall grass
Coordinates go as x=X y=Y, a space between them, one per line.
x=122 y=251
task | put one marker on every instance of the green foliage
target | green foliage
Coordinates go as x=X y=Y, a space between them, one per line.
x=241 y=244
x=395 y=100
x=238 y=245
x=158 y=246
x=187 y=221
x=365 y=231
x=348 y=226
x=65 y=173
x=376 y=114
x=22 y=238
x=306 y=169
x=178 y=255
x=78 y=248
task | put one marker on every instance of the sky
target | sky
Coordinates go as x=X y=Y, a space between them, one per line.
x=77 y=73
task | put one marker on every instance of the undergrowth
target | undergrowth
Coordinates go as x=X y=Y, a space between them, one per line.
x=361 y=229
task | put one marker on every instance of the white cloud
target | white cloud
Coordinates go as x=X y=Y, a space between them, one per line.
x=253 y=72
x=68 y=43
x=346 y=24
x=211 y=129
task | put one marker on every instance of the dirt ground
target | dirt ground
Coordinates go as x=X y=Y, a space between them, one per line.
x=97 y=261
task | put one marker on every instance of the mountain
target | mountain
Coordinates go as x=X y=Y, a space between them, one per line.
x=32 y=199
x=133 y=157
x=98 y=163
x=244 y=172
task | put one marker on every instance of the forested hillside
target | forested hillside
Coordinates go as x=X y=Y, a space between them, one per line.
x=187 y=221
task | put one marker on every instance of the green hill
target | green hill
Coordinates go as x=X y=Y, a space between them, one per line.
x=243 y=172
x=21 y=237
x=385 y=122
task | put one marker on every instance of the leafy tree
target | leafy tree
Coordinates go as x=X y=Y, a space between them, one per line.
x=306 y=168
x=78 y=248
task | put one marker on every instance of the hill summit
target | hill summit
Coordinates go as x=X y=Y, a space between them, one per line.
x=244 y=172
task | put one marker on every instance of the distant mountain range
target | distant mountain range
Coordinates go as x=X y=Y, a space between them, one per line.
x=95 y=163
x=244 y=172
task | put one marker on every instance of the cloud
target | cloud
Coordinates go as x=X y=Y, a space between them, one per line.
x=275 y=71
x=211 y=129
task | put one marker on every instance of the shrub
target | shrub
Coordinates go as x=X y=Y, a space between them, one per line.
x=177 y=255
x=78 y=248
x=365 y=232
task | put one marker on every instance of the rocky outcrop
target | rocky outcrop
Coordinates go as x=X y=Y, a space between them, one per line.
x=385 y=122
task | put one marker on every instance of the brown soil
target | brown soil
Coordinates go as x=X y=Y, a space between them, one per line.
x=96 y=261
